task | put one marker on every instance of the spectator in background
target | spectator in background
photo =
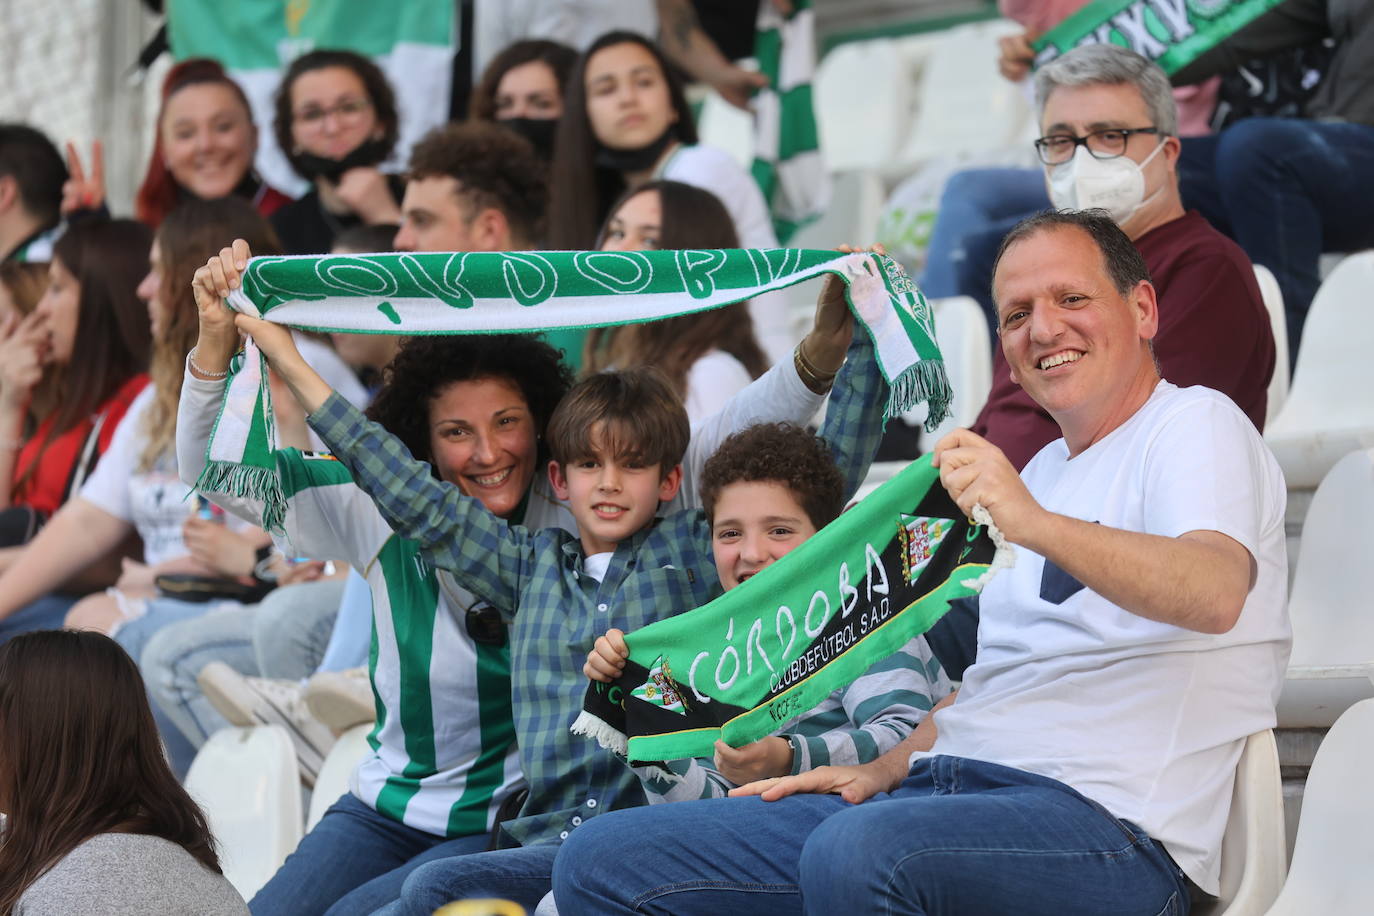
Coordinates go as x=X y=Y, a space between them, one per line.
x=478 y=187
x=90 y=331
x=1289 y=189
x=522 y=88
x=31 y=178
x=1106 y=101
x=366 y=354
x=204 y=145
x=707 y=356
x=626 y=122
x=96 y=823
x=978 y=206
x=336 y=121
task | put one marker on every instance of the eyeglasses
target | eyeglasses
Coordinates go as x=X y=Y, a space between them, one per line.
x=346 y=110
x=1102 y=144
x=485 y=626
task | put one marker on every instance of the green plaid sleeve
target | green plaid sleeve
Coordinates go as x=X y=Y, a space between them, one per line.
x=854 y=417
x=487 y=556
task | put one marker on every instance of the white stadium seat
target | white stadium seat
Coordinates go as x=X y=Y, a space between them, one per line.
x=1331 y=872
x=864 y=93
x=1273 y=304
x=248 y=784
x=336 y=773
x=1254 y=854
x=1328 y=412
x=1332 y=603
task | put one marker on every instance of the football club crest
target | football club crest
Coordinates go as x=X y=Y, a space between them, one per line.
x=659 y=689
x=921 y=537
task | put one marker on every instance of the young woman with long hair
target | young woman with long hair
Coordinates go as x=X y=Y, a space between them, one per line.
x=708 y=356
x=95 y=822
x=626 y=122
x=88 y=338
x=134 y=487
x=336 y=121
x=523 y=88
x=204 y=144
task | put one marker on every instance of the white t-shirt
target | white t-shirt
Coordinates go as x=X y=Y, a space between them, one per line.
x=713 y=170
x=711 y=382
x=1145 y=718
x=155 y=501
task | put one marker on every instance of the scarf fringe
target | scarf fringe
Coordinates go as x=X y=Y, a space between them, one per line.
x=1003 y=558
x=925 y=380
x=609 y=738
x=248 y=482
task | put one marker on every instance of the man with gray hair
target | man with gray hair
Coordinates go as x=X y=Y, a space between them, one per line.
x=1108 y=124
x=1086 y=766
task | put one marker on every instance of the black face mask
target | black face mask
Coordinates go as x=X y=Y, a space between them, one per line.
x=635 y=160
x=539 y=131
x=369 y=152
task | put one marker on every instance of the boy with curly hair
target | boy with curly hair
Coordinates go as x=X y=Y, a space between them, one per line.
x=766 y=490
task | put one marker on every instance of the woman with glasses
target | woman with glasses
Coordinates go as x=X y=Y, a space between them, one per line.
x=336 y=121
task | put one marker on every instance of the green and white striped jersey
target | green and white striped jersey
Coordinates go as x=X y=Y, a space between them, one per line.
x=443 y=751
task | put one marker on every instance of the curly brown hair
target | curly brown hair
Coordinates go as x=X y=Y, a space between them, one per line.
x=779 y=453
x=494 y=167
x=424 y=366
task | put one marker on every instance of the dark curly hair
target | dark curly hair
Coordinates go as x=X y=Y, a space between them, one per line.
x=375 y=84
x=424 y=366
x=494 y=167
x=779 y=453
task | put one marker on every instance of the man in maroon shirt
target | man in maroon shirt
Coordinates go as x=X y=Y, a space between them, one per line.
x=1109 y=125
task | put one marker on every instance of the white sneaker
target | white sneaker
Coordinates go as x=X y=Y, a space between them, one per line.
x=342 y=699
x=248 y=701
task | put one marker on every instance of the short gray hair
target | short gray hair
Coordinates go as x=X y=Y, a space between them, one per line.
x=1110 y=65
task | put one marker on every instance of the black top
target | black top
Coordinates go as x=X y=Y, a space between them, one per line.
x=305 y=227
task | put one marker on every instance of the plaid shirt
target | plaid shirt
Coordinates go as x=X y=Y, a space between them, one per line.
x=537 y=578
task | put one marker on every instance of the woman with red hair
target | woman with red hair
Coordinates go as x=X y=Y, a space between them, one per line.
x=204 y=145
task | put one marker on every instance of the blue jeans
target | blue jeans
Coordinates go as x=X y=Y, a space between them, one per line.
x=351 y=638
x=46 y=613
x=977 y=207
x=523 y=874
x=958 y=836
x=1287 y=190
x=353 y=862
x=284 y=636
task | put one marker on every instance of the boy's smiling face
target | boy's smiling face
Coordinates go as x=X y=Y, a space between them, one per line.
x=611 y=496
x=757 y=523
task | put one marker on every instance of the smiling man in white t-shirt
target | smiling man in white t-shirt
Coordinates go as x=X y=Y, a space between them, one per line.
x=1087 y=763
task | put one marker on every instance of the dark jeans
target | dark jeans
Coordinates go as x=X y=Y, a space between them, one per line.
x=1287 y=190
x=353 y=862
x=958 y=836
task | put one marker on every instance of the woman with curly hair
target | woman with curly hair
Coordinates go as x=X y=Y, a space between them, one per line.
x=95 y=822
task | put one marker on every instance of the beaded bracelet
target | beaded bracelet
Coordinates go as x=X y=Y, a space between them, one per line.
x=205 y=373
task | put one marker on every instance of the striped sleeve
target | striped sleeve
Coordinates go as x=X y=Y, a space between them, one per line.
x=683 y=780
x=872 y=715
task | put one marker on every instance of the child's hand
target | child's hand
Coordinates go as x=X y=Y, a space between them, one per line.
x=763 y=759
x=607 y=659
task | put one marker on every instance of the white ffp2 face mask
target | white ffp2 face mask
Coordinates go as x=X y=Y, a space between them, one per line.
x=1086 y=182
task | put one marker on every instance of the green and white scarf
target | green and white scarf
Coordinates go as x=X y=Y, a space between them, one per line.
x=495 y=292
x=773 y=648
x=787 y=154
x=1172 y=33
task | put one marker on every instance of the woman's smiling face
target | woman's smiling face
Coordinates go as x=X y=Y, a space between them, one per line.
x=482 y=439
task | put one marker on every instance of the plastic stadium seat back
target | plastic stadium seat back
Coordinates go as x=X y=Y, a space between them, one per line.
x=248 y=784
x=1331 y=872
x=1328 y=412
